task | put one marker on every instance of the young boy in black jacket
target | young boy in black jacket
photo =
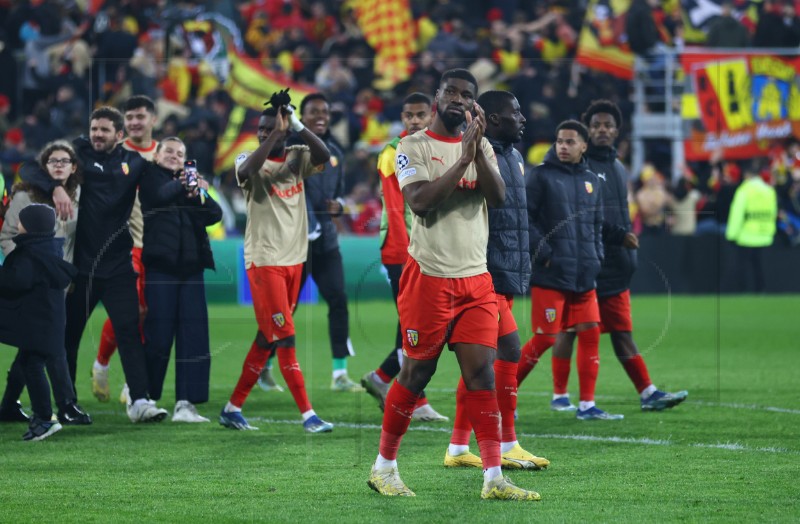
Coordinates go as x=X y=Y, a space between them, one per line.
x=32 y=283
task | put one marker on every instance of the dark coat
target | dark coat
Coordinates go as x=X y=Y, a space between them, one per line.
x=32 y=303
x=619 y=262
x=508 y=258
x=640 y=26
x=175 y=238
x=565 y=212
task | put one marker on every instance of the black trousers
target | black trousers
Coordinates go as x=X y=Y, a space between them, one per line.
x=32 y=362
x=177 y=311
x=121 y=301
x=328 y=272
x=57 y=370
x=750 y=269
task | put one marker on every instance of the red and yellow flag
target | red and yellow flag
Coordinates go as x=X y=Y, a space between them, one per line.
x=388 y=28
x=602 y=43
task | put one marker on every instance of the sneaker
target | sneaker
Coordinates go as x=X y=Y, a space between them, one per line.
x=562 y=404
x=501 y=488
x=146 y=411
x=14 y=413
x=376 y=387
x=342 y=383
x=661 y=400
x=518 y=458
x=426 y=413
x=595 y=413
x=387 y=481
x=464 y=460
x=316 y=425
x=73 y=415
x=266 y=382
x=234 y=420
x=125 y=395
x=41 y=429
x=100 y=388
x=186 y=412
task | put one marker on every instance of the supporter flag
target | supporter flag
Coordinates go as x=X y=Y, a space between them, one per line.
x=603 y=42
x=389 y=29
x=249 y=85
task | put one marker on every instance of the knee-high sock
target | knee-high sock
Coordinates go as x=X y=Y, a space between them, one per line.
x=462 y=426
x=293 y=375
x=637 y=372
x=505 y=379
x=484 y=415
x=251 y=369
x=561 y=368
x=531 y=352
x=396 y=419
x=588 y=361
x=108 y=344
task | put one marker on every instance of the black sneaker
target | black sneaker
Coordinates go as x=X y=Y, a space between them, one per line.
x=13 y=413
x=73 y=415
x=41 y=429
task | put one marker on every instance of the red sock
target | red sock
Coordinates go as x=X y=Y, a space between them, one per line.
x=531 y=352
x=561 y=367
x=251 y=369
x=293 y=375
x=505 y=381
x=588 y=361
x=383 y=376
x=484 y=414
x=396 y=418
x=637 y=371
x=108 y=344
x=421 y=401
x=462 y=427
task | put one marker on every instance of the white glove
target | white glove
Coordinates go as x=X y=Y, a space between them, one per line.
x=294 y=123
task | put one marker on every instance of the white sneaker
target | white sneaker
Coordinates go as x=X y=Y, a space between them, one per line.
x=125 y=395
x=146 y=411
x=427 y=414
x=186 y=412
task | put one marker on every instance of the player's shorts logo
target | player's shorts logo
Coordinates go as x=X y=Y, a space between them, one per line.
x=401 y=162
x=279 y=319
x=413 y=337
x=589 y=188
x=550 y=315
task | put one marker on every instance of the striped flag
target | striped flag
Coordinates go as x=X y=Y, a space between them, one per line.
x=388 y=28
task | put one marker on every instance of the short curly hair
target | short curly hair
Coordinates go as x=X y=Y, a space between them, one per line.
x=602 y=106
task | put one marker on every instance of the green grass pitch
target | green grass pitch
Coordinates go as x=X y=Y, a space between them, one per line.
x=730 y=453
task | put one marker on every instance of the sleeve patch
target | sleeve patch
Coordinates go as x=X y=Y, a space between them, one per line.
x=405 y=173
x=401 y=162
x=241 y=158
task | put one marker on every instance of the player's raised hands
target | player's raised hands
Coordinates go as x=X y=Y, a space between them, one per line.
x=471 y=138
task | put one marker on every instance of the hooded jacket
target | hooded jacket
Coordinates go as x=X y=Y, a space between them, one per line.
x=565 y=212
x=32 y=283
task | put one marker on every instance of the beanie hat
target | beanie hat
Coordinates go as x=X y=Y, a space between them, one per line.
x=38 y=219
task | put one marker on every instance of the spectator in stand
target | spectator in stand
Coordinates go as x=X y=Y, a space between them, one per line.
x=684 y=207
x=726 y=31
x=789 y=213
x=778 y=25
x=653 y=201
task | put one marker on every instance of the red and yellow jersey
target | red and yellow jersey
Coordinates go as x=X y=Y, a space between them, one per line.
x=395 y=215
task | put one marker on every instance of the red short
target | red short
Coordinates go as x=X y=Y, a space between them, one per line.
x=274 y=290
x=507 y=322
x=435 y=311
x=615 y=313
x=553 y=311
x=138 y=267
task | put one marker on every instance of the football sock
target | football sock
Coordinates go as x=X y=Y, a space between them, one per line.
x=646 y=392
x=491 y=473
x=457 y=449
x=293 y=375
x=637 y=372
x=251 y=369
x=583 y=405
x=97 y=365
x=588 y=361
x=108 y=344
x=505 y=379
x=421 y=401
x=531 y=352
x=308 y=414
x=230 y=408
x=339 y=367
x=390 y=367
x=561 y=367
x=483 y=413
x=505 y=447
x=383 y=376
x=462 y=427
x=396 y=419
x=382 y=462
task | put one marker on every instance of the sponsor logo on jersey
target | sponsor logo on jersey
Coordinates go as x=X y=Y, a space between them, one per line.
x=413 y=337
x=467 y=184
x=550 y=315
x=279 y=319
x=589 y=187
x=286 y=193
x=125 y=168
x=601 y=176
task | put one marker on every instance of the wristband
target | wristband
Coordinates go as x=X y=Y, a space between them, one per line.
x=295 y=124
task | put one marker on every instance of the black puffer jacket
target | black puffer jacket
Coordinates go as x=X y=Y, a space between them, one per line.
x=508 y=259
x=32 y=283
x=175 y=238
x=565 y=212
x=620 y=262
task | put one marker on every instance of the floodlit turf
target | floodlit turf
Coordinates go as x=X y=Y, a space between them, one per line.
x=731 y=453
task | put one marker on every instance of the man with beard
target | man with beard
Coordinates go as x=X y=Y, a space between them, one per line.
x=446 y=295
x=509 y=263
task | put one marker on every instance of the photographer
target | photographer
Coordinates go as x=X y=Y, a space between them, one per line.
x=176 y=251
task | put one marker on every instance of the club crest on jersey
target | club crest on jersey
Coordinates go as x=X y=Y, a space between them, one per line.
x=279 y=319
x=550 y=315
x=334 y=161
x=413 y=337
x=400 y=162
x=589 y=187
x=125 y=168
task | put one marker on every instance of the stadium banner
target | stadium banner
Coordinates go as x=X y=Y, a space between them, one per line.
x=603 y=42
x=389 y=29
x=739 y=102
